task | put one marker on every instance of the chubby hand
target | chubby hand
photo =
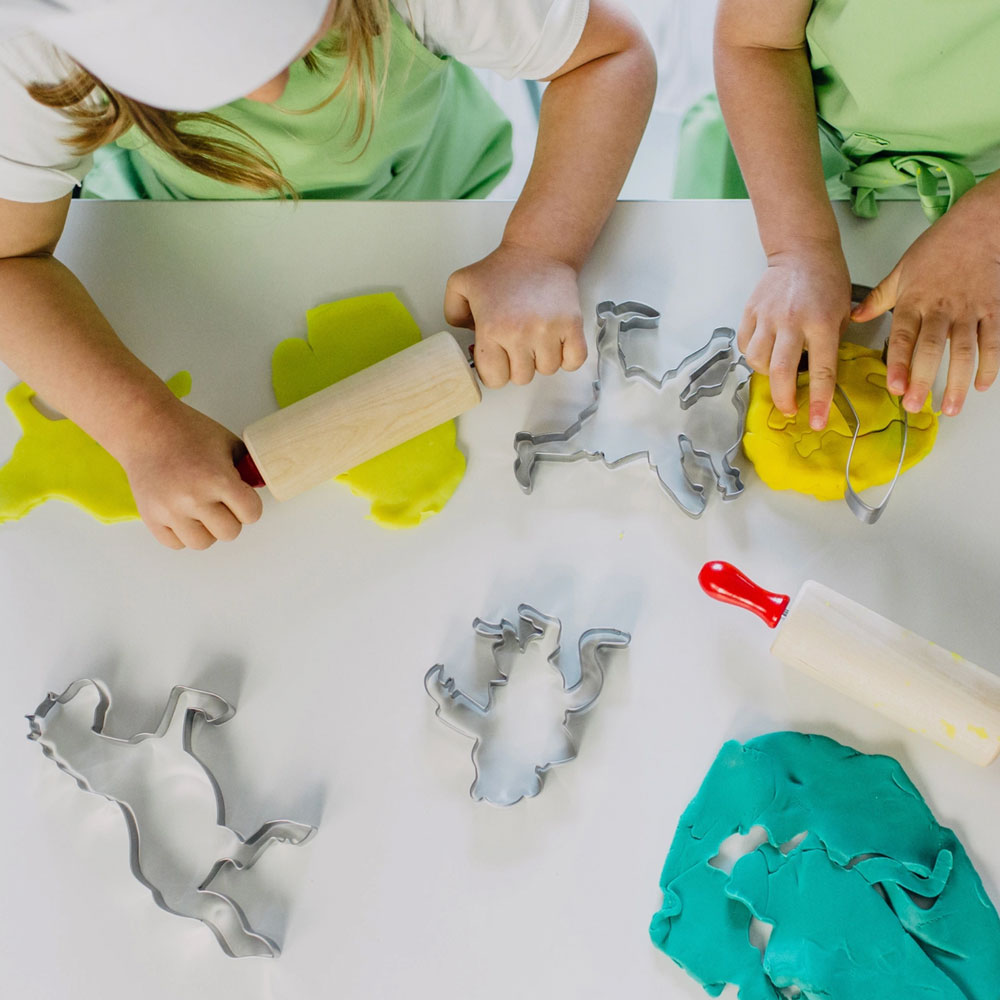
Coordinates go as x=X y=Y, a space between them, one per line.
x=184 y=482
x=946 y=287
x=525 y=309
x=802 y=302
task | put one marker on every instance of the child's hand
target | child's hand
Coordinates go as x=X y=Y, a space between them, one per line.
x=802 y=302
x=184 y=482
x=525 y=309
x=945 y=287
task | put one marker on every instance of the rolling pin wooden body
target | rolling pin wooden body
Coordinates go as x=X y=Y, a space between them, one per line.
x=362 y=416
x=873 y=660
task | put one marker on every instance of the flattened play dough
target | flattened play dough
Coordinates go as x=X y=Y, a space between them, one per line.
x=788 y=455
x=56 y=460
x=414 y=479
x=934 y=934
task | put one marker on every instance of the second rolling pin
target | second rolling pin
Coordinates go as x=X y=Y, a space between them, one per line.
x=911 y=680
x=361 y=416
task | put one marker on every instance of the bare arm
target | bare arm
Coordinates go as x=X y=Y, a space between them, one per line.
x=54 y=336
x=593 y=115
x=765 y=90
x=522 y=299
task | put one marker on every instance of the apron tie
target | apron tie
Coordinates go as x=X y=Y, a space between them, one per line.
x=922 y=170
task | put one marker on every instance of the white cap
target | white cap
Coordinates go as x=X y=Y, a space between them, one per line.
x=184 y=55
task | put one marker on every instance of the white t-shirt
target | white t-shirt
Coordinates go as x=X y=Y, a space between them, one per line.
x=530 y=39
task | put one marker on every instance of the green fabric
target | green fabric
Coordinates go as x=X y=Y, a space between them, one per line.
x=706 y=163
x=438 y=135
x=877 y=900
x=908 y=105
x=910 y=91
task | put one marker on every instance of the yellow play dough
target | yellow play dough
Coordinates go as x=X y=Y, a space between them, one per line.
x=414 y=479
x=56 y=460
x=788 y=455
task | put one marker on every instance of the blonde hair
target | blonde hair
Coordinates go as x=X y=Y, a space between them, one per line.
x=357 y=25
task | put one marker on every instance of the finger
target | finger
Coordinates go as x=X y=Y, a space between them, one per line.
x=927 y=355
x=748 y=323
x=244 y=502
x=492 y=363
x=961 y=365
x=522 y=365
x=548 y=355
x=457 y=311
x=194 y=534
x=822 y=379
x=165 y=536
x=574 y=348
x=220 y=522
x=902 y=341
x=989 y=352
x=784 y=372
x=759 y=349
x=879 y=300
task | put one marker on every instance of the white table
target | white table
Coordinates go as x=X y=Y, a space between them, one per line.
x=320 y=625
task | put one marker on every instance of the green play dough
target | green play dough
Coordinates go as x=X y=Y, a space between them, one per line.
x=877 y=900
x=56 y=460
x=414 y=479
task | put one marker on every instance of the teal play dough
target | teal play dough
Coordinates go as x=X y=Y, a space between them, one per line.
x=876 y=900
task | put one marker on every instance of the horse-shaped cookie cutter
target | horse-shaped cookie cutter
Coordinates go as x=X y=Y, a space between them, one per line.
x=73 y=737
x=682 y=464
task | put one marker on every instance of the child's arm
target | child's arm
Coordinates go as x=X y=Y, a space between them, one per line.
x=803 y=300
x=178 y=461
x=522 y=300
x=945 y=288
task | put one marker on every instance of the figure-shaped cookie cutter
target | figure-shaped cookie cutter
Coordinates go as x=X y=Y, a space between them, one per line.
x=72 y=736
x=863 y=511
x=716 y=368
x=515 y=745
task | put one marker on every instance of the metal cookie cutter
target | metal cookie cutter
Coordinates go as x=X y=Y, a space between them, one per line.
x=683 y=469
x=863 y=511
x=161 y=799
x=521 y=729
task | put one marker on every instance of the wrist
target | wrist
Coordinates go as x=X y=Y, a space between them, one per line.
x=546 y=235
x=981 y=205
x=803 y=226
x=524 y=246
x=817 y=249
x=141 y=418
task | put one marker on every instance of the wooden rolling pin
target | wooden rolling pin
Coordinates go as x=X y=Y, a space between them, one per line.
x=359 y=417
x=874 y=661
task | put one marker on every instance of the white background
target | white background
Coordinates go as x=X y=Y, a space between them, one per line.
x=319 y=625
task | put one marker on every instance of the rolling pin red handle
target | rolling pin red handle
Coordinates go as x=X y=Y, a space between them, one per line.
x=726 y=583
x=249 y=473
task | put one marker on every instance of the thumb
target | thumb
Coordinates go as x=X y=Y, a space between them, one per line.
x=879 y=300
x=457 y=310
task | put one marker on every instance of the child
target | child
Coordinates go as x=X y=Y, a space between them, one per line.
x=397 y=116
x=905 y=95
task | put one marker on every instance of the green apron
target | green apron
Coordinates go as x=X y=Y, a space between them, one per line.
x=908 y=102
x=437 y=135
x=907 y=94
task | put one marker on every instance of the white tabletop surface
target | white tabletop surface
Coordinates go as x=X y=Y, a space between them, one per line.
x=320 y=625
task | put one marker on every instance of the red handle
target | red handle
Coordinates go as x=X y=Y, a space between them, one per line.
x=249 y=473
x=726 y=583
